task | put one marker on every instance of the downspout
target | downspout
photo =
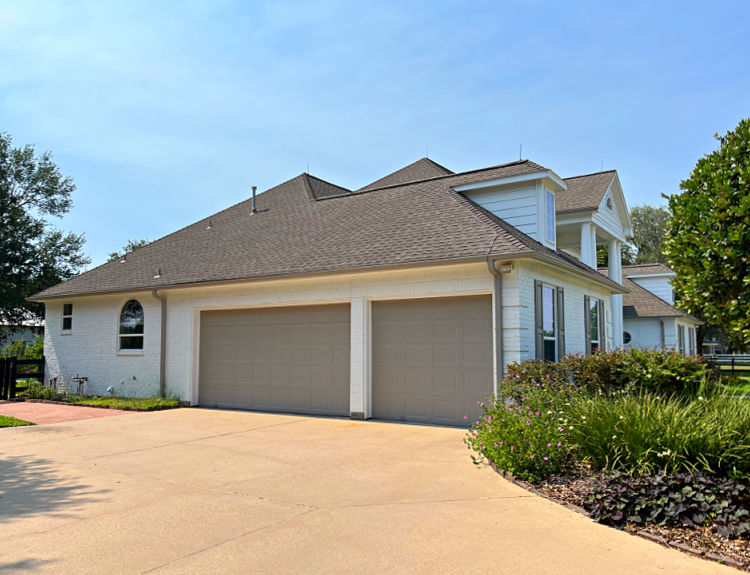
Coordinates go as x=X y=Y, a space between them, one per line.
x=498 y=311
x=163 y=342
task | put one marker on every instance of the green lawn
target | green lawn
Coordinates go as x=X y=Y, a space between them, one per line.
x=7 y=421
x=742 y=385
x=123 y=402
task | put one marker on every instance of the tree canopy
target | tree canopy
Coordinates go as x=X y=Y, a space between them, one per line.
x=709 y=235
x=649 y=228
x=34 y=255
x=131 y=246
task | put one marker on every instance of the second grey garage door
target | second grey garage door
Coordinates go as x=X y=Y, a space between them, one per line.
x=293 y=359
x=431 y=358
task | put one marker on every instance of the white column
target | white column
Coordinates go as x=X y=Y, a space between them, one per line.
x=593 y=246
x=614 y=265
x=359 y=360
x=586 y=244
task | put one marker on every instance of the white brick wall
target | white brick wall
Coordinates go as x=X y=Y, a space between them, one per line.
x=575 y=289
x=91 y=349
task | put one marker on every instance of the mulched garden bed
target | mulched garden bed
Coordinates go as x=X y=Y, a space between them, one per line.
x=570 y=490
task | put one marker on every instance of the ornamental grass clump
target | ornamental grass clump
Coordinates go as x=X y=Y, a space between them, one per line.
x=523 y=430
x=648 y=433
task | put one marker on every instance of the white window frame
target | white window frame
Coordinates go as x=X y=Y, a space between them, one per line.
x=130 y=351
x=552 y=337
x=68 y=316
x=681 y=338
x=550 y=223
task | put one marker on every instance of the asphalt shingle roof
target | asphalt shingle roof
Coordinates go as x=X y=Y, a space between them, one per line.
x=422 y=169
x=642 y=303
x=584 y=192
x=646 y=269
x=307 y=225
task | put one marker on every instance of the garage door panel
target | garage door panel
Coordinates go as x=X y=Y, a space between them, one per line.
x=281 y=359
x=431 y=359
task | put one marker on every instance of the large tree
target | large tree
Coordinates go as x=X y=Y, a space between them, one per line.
x=33 y=253
x=131 y=246
x=708 y=239
x=649 y=228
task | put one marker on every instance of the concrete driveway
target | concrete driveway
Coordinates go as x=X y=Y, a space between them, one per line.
x=205 y=491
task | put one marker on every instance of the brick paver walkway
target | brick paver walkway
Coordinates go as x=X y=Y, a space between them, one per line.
x=42 y=413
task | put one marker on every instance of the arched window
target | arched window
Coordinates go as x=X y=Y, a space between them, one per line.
x=626 y=337
x=131 y=326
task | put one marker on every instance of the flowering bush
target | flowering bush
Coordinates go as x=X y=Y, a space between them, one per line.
x=524 y=433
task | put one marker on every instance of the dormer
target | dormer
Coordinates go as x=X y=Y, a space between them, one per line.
x=527 y=202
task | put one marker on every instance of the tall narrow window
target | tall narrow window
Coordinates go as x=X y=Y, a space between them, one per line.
x=549 y=303
x=67 y=317
x=594 y=324
x=550 y=216
x=548 y=323
x=681 y=338
x=131 y=326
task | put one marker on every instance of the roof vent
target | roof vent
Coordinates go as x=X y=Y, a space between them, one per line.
x=158 y=274
x=255 y=208
x=124 y=258
x=210 y=225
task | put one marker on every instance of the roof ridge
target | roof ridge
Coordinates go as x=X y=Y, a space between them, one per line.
x=591 y=174
x=309 y=175
x=453 y=175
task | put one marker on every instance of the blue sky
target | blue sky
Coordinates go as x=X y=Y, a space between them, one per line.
x=165 y=112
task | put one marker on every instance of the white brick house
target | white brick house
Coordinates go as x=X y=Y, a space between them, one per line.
x=402 y=300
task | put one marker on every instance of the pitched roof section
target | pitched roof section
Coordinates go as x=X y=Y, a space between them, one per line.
x=641 y=303
x=584 y=192
x=306 y=226
x=646 y=269
x=422 y=169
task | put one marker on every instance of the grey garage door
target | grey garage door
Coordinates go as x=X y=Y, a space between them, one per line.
x=431 y=358
x=293 y=359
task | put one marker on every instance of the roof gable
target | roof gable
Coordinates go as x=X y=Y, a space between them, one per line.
x=584 y=192
x=422 y=169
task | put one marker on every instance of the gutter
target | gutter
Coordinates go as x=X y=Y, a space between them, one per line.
x=162 y=343
x=498 y=290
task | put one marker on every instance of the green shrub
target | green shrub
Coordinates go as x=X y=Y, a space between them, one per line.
x=647 y=433
x=683 y=499
x=612 y=372
x=667 y=372
x=36 y=390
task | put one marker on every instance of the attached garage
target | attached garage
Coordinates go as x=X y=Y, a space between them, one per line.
x=431 y=358
x=288 y=359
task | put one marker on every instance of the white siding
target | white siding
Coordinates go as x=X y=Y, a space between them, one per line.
x=660 y=286
x=645 y=332
x=609 y=220
x=517 y=206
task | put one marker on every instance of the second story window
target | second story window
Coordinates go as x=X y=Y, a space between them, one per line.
x=67 y=317
x=550 y=216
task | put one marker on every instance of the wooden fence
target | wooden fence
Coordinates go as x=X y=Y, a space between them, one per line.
x=10 y=374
